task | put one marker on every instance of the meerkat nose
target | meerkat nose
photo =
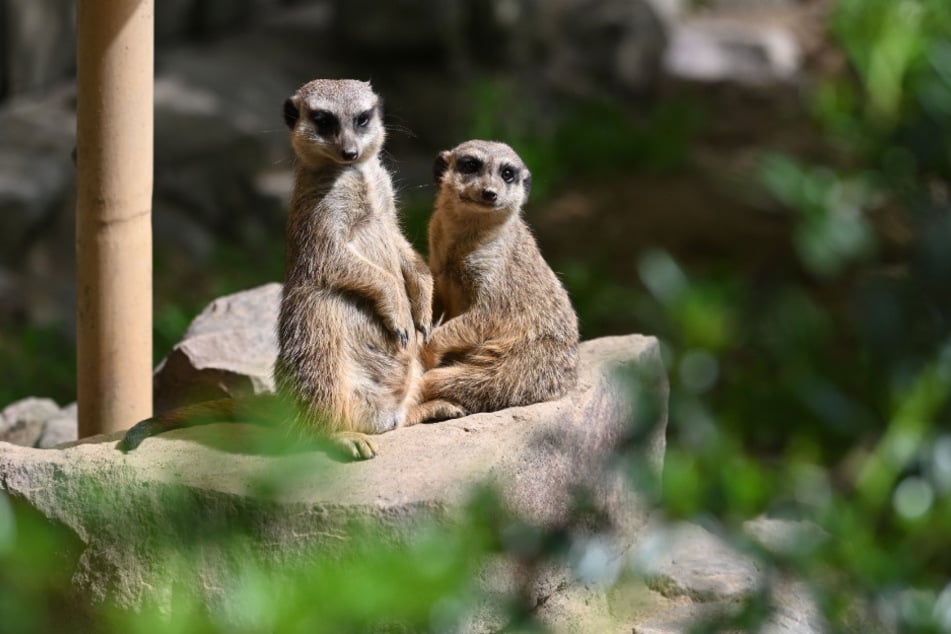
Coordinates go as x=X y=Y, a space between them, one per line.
x=349 y=155
x=489 y=196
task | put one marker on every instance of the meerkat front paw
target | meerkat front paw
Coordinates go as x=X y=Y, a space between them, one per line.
x=354 y=445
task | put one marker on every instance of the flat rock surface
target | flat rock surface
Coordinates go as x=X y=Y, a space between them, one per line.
x=537 y=456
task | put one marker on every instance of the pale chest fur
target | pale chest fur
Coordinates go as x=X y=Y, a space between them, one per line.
x=350 y=209
x=374 y=231
x=467 y=267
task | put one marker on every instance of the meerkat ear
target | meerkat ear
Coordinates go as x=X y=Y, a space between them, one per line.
x=527 y=184
x=291 y=111
x=440 y=165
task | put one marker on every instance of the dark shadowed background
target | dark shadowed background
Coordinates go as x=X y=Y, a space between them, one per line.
x=763 y=184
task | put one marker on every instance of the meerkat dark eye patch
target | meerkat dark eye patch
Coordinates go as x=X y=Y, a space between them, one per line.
x=468 y=165
x=362 y=120
x=508 y=173
x=325 y=122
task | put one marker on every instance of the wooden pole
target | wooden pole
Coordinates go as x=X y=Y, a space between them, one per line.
x=115 y=53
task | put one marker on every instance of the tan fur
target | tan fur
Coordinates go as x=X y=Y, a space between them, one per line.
x=509 y=335
x=355 y=292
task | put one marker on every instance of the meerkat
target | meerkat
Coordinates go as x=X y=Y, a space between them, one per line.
x=508 y=334
x=355 y=292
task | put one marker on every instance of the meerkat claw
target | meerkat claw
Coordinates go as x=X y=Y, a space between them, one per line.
x=363 y=451
x=403 y=337
x=427 y=332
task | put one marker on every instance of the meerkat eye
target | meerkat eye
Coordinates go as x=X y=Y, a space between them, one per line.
x=508 y=174
x=468 y=165
x=363 y=119
x=325 y=121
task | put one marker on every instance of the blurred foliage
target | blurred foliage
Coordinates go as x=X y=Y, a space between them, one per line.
x=181 y=291
x=583 y=140
x=824 y=398
x=827 y=398
x=37 y=356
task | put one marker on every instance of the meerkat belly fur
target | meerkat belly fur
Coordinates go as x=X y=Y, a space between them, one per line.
x=509 y=335
x=355 y=292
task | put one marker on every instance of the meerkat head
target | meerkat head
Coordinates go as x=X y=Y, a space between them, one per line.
x=485 y=176
x=335 y=121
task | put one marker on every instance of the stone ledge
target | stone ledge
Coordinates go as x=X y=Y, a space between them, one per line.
x=536 y=455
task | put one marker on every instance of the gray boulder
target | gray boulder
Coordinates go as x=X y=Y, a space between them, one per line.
x=602 y=47
x=36 y=172
x=38 y=422
x=687 y=561
x=733 y=51
x=23 y=422
x=61 y=428
x=694 y=576
x=228 y=350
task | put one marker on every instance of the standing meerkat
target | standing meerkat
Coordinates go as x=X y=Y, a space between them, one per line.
x=355 y=292
x=509 y=334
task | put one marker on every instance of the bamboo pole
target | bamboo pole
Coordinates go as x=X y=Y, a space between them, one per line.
x=113 y=213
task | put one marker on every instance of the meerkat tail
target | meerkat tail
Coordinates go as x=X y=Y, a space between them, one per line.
x=436 y=410
x=217 y=411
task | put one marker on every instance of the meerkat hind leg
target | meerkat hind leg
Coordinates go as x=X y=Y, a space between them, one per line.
x=354 y=444
x=436 y=410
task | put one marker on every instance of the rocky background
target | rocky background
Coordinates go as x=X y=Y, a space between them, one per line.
x=695 y=91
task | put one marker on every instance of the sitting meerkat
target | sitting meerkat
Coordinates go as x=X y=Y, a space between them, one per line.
x=509 y=335
x=355 y=292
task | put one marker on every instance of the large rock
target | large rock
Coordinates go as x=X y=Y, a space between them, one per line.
x=732 y=50
x=539 y=456
x=37 y=180
x=602 y=47
x=228 y=350
x=23 y=422
x=61 y=428
x=694 y=577
x=37 y=422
